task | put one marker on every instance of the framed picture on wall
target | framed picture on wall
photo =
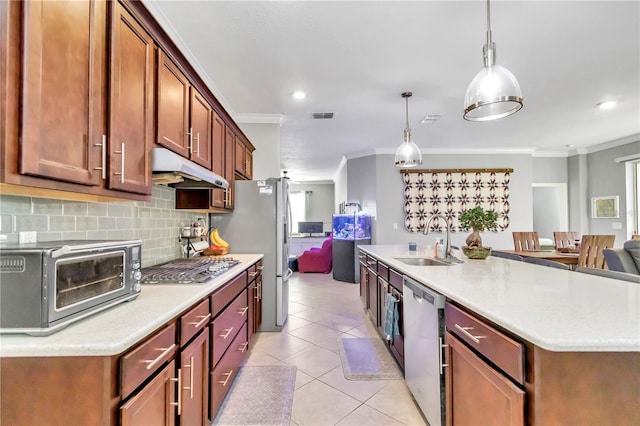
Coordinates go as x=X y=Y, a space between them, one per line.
x=604 y=207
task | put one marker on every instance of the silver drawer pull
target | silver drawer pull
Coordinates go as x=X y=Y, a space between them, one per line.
x=464 y=331
x=260 y=268
x=243 y=311
x=204 y=319
x=253 y=274
x=243 y=347
x=226 y=333
x=165 y=352
x=179 y=403
x=190 y=387
x=224 y=382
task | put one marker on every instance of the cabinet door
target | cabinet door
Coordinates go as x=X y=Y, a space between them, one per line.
x=363 y=285
x=383 y=290
x=194 y=381
x=63 y=108
x=154 y=404
x=240 y=164
x=476 y=393
x=248 y=158
x=173 y=106
x=217 y=158
x=131 y=111
x=201 y=127
x=372 y=294
x=397 y=342
x=257 y=301
x=229 y=166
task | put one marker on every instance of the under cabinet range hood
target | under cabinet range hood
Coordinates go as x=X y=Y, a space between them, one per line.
x=171 y=169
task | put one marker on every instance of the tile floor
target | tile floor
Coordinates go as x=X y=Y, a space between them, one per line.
x=320 y=311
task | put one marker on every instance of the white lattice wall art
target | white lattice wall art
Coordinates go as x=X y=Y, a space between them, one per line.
x=449 y=192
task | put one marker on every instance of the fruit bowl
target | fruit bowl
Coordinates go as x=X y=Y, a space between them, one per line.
x=215 y=251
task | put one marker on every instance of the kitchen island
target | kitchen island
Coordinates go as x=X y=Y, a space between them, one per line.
x=579 y=333
x=104 y=368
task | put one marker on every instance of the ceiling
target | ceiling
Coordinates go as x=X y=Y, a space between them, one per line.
x=355 y=58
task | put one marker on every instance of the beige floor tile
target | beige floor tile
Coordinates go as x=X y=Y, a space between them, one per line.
x=314 y=361
x=315 y=333
x=395 y=401
x=281 y=345
x=294 y=322
x=361 y=390
x=365 y=415
x=294 y=307
x=319 y=404
x=260 y=358
x=332 y=342
x=302 y=379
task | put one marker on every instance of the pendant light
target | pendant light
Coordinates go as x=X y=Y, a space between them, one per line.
x=408 y=154
x=494 y=92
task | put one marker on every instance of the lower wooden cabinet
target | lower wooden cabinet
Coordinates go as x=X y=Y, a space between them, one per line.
x=155 y=404
x=193 y=374
x=224 y=373
x=477 y=394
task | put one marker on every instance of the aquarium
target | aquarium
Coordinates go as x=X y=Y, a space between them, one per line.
x=356 y=226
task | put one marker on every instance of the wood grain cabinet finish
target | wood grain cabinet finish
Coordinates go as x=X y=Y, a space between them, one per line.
x=218 y=159
x=173 y=106
x=227 y=324
x=62 y=101
x=476 y=393
x=193 y=321
x=131 y=107
x=201 y=115
x=229 y=166
x=193 y=381
x=155 y=404
x=223 y=296
x=243 y=159
x=255 y=300
x=140 y=363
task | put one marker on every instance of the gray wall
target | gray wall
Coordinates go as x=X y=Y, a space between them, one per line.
x=321 y=202
x=549 y=169
x=547 y=204
x=156 y=222
x=377 y=182
x=266 y=157
x=340 y=186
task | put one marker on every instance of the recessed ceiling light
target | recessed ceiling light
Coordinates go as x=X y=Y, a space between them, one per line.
x=298 y=94
x=606 y=104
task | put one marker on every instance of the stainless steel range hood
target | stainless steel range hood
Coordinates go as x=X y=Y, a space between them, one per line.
x=171 y=169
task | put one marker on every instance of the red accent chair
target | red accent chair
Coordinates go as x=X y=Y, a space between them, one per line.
x=317 y=259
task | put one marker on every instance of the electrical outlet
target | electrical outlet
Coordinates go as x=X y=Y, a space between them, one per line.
x=616 y=225
x=27 y=237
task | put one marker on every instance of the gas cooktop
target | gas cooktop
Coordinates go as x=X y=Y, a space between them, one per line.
x=197 y=270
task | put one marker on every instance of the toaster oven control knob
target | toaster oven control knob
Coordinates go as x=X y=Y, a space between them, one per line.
x=135 y=265
x=137 y=287
x=137 y=275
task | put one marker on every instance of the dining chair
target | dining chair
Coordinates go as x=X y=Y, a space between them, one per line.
x=610 y=274
x=635 y=237
x=591 y=248
x=526 y=241
x=504 y=255
x=547 y=262
x=565 y=239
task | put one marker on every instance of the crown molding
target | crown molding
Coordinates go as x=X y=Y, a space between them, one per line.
x=260 y=118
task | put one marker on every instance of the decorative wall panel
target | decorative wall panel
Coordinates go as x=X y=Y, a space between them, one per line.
x=449 y=192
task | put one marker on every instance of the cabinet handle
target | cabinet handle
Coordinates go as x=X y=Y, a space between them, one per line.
x=260 y=267
x=121 y=152
x=103 y=161
x=243 y=311
x=198 y=144
x=190 y=387
x=464 y=331
x=224 y=382
x=190 y=134
x=243 y=347
x=165 y=352
x=440 y=361
x=227 y=332
x=204 y=319
x=179 y=380
x=253 y=274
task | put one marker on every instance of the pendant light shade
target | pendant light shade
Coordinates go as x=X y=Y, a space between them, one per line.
x=408 y=153
x=494 y=92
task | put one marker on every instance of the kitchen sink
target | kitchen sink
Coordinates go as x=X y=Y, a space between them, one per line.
x=422 y=261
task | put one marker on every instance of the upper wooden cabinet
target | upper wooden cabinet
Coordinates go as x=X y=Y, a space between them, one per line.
x=62 y=97
x=244 y=159
x=201 y=128
x=131 y=109
x=218 y=158
x=173 y=106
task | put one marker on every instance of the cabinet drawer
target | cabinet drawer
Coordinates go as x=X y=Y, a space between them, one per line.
x=226 y=371
x=383 y=271
x=139 y=364
x=222 y=297
x=395 y=279
x=372 y=263
x=362 y=257
x=226 y=326
x=501 y=350
x=194 y=321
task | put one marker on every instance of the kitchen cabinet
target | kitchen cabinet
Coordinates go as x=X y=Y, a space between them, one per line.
x=229 y=166
x=397 y=341
x=193 y=382
x=218 y=159
x=153 y=404
x=364 y=277
x=243 y=159
x=131 y=111
x=478 y=391
x=255 y=301
x=173 y=106
x=201 y=129
x=372 y=290
x=383 y=291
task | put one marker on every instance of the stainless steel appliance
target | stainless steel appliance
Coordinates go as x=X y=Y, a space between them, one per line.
x=423 y=344
x=47 y=285
x=196 y=270
x=260 y=224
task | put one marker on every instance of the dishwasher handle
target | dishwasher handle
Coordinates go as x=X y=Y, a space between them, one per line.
x=420 y=291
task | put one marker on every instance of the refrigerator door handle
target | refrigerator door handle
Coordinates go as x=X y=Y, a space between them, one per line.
x=287 y=275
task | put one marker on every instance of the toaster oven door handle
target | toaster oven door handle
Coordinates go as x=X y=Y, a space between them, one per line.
x=61 y=251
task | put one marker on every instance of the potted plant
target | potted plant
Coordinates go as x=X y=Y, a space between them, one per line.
x=479 y=220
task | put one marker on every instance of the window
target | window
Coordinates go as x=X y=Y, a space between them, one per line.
x=636 y=200
x=299 y=202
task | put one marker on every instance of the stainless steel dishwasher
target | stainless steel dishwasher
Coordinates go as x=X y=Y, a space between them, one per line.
x=423 y=346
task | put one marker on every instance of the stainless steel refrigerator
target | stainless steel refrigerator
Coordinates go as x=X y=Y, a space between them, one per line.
x=260 y=224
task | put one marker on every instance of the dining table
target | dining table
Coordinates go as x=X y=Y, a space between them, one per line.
x=570 y=259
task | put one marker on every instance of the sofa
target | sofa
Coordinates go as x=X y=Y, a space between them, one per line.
x=625 y=259
x=317 y=259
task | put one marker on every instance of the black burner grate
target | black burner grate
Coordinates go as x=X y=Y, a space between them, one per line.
x=187 y=271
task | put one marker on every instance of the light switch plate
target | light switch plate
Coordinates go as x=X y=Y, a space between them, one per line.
x=27 y=237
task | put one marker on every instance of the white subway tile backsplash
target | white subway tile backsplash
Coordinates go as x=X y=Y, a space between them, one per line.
x=47 y=206
x=62 y=223
x=86 y=223
x=74 y=208
x=32 y=222
x=11 y=204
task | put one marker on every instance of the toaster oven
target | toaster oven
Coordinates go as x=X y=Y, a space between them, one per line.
x=47 y=285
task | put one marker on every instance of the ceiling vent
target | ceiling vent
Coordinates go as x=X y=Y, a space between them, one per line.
x=322 y=115
x=430 y=118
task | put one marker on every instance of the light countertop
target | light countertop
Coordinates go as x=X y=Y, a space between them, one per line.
x=114 y=330
x=554 y=309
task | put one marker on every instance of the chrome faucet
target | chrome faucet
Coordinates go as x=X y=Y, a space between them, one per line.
x=447 y=252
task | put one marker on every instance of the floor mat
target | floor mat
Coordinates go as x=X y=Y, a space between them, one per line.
x=367 y=359
x=260 y=395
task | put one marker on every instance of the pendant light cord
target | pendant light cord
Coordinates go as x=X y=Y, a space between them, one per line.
x=488 y=23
